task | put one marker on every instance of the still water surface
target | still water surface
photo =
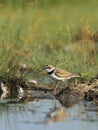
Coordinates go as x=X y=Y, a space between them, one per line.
x=45 y=114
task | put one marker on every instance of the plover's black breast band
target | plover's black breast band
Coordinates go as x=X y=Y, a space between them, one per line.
x=51 y=72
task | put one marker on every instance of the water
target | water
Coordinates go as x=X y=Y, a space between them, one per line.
x=45 y=114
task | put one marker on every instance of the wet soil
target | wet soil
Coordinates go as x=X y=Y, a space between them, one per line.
x=67 y=95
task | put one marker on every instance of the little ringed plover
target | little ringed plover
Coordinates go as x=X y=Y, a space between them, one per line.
x=59 y=74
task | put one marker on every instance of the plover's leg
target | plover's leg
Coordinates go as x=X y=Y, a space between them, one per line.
x=55 y=89
x=54 y=101
x=76 y=82
x=66 y=83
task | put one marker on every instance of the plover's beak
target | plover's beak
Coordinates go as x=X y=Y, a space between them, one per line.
x=45 y=67
x=42 y=67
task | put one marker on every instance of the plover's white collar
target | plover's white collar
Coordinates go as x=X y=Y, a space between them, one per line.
x=50 y=70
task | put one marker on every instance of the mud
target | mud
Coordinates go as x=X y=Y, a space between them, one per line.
x=68 y=96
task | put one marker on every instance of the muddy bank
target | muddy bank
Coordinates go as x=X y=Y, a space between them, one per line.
x=87 y=91
x=67 y=95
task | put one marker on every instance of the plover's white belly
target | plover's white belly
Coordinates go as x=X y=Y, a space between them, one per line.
x=56 y=78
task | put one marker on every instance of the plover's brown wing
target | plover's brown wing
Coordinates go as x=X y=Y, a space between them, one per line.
x=62 y=73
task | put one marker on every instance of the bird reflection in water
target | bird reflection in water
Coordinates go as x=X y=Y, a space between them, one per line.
x=57 y=114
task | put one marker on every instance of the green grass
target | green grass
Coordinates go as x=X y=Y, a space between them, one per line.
x=39 y=33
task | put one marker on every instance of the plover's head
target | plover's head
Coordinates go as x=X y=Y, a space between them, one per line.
x=49 y=68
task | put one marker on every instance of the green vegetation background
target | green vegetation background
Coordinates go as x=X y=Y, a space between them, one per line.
x=40 y=32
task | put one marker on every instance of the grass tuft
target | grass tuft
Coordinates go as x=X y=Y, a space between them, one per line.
x=38 y=33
